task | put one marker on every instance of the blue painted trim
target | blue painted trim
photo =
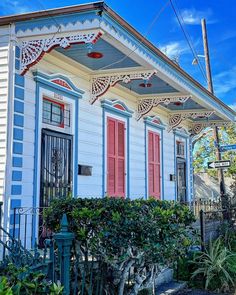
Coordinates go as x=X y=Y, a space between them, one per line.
x=185 y=137
x=16 y=221
x=76 y=139
x=191 y=167
x=123 y=115
x=17 y=162
x=60 y=19
x=19 y=93
x=18 y=120
x=103 y=153
x=15 y=203
x=16 y=231
x=128 y=158
x=16 y=189
x=149 y=120
x=42 y=83
x=187 y=169
x=18 y=107
x=16 y=175
x=146 y=161
x=160 y=128
x=17 y=52
x=46 y=79
x=18 y=134
x=17 y=64
x=181 y=134
x=17 y=148
x=19 y=80
x=175 y=167
x=109 y=106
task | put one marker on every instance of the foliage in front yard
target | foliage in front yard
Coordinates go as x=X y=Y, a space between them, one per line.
x=133 y=238
x=216 y=266
x=22 y=280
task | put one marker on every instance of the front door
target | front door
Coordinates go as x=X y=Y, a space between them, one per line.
x=181 y=180
x=56 y=166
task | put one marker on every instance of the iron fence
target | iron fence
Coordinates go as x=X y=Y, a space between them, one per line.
x=212 y=223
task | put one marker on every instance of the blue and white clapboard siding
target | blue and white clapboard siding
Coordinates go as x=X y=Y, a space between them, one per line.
x=4 y=79
x=91 y=140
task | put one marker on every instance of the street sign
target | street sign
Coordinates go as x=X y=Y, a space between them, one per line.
x=230 y=147
x=219 y=164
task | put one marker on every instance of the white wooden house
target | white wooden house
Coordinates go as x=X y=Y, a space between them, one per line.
x=91 y=108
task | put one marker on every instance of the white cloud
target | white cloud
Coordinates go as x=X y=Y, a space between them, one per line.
x=225 y=81
x=13 y=7
x=174 y=49
x=193 y=16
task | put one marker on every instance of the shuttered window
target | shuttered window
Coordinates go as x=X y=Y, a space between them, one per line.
x=154 y=177
x=115 y=157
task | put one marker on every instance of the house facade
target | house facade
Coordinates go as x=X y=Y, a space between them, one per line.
x=90 y=108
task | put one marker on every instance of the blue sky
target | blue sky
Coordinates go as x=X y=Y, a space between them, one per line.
x=166 y=34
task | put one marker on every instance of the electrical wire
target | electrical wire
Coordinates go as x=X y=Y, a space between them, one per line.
x=187 y=37
x=145 y=35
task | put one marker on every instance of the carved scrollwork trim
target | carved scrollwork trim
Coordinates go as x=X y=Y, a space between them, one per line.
x=100 y=84
x=145 y=105
x=176 y=118
x=198 y=127
x=32 y=51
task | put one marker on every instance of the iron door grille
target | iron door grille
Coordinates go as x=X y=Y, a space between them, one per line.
x=56 y=166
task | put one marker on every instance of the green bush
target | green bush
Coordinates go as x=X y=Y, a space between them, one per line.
x=15 y=281
x=132 y=237
x=216 y=266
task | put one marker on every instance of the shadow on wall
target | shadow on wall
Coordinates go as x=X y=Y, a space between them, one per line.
x=206 y=186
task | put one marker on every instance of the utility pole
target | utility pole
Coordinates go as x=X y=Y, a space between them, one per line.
x=223 y=195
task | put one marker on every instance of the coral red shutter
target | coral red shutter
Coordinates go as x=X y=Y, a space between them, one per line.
x=115 y=158
x=120 y=180
x=111 y=156
x=154 y=164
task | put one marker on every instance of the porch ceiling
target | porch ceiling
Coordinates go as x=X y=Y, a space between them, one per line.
x=78 y=52
x=157 y=86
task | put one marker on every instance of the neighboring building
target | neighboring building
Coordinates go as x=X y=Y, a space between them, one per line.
x=89 y=107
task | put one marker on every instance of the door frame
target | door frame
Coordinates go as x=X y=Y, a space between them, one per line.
x=65 y=135
x=180 y=160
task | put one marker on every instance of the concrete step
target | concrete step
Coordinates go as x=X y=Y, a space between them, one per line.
x=170 y=288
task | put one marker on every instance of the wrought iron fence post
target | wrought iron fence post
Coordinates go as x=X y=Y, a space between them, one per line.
x=64 y=241
x=202 y=229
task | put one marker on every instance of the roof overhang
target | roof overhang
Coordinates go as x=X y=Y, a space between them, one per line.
x=94 y=22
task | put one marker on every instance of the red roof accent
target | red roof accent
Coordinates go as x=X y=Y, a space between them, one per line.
x=119 y=106
x=61 y=83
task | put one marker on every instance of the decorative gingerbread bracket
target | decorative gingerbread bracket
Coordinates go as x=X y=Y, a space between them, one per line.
x=145 y=105
x=198 y=127
x=32 y=51
x=101 y=83
x=176 y=118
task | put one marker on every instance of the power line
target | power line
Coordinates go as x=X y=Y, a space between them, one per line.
x=187 y=37
x=145 y=35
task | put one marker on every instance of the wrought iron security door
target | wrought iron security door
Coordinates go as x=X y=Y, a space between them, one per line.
x=56 y=166
x=181 y=180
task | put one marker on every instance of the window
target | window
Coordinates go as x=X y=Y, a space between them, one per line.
x=180 y=148
x=115 y=157
x=55 y=113
x=154 y=176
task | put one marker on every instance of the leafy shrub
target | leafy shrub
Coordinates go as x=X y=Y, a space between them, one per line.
x=23 y=280
x=132 y=237
x=217 y=266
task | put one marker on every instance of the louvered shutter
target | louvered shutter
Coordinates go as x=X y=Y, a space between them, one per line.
x=120 y=180
x=154 y=165
x=111 y=156
x=115 y=158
